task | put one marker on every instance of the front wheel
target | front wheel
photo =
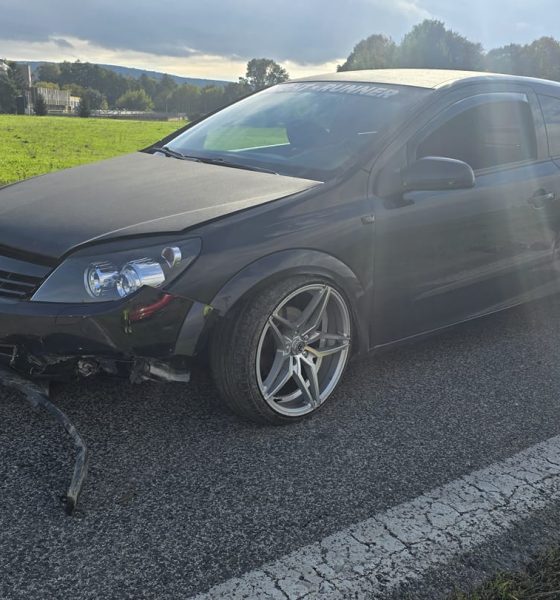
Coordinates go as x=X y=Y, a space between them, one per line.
x=281 y=355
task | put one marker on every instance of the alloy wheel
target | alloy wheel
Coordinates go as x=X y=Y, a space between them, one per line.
x=303 y=349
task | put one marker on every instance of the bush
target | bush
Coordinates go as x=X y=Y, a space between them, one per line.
x=95 y=99
x=84 y=109
x=40 y=106
x=135 y=100
x=8 y=93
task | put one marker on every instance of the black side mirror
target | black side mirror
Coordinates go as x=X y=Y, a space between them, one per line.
x=437 y=173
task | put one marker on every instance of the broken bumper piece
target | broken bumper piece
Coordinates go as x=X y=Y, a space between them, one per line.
x=38 y=397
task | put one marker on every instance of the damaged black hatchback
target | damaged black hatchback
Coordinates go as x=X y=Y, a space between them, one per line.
x=315 y=218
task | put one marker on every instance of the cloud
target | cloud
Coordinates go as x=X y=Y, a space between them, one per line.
x=308 y=31
x=62 y=43
x=205 y=66
x=306 y=34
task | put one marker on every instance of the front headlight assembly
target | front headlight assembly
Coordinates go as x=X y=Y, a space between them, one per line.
x=115 y=271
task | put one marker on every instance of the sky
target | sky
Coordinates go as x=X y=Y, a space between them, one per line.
x=215 y=38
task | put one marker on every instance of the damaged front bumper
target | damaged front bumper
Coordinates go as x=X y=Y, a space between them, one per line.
x=153 y=335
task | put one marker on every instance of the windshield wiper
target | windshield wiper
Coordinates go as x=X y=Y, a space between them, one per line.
x=174 y=154
x=226 y=163
x=211 y=161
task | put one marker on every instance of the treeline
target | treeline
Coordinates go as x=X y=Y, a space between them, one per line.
x=104 y=88
x=431 y=45
x=101 y=88
x=428 y=45
x=12 y=84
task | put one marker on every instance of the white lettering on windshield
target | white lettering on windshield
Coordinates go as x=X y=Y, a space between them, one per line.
x=357 y=89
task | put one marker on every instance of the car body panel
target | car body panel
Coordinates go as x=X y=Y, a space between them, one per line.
x=460 y=253
x=130 y=195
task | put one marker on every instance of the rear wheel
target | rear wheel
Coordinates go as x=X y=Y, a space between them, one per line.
x=281 y=355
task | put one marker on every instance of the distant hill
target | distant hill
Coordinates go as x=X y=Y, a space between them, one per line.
x=137 y=73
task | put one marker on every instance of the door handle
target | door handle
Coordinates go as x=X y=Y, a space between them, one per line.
x=540 y=198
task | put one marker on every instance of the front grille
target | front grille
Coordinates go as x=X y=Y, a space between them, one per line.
x=19 y=279
x=15 y=285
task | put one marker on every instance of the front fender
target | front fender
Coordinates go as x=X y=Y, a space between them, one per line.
x=281 y=264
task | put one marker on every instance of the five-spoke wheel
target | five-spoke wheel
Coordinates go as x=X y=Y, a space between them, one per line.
x=303 y=349
x=283 y=353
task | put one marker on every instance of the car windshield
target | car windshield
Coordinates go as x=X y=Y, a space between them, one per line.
x=312 y=130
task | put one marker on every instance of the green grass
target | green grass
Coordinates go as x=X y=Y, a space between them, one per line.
x=35 y=145
x=539 y=581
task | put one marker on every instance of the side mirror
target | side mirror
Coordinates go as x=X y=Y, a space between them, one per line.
x=437 y=173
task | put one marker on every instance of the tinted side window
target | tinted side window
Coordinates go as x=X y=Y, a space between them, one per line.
x=551 y=111
x=488 y=135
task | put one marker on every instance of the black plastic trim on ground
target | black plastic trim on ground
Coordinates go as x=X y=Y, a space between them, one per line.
x=39 y=398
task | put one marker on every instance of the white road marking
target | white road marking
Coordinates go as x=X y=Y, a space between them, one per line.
x=402 y=543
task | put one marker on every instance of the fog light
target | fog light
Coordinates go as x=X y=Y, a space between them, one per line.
x=100 y=278
x=138 y=273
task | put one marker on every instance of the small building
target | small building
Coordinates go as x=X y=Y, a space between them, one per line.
x=58 y=101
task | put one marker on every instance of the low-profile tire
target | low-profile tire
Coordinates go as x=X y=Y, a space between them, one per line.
x=280 y=354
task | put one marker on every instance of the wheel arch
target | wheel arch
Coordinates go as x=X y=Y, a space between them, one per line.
x=283 y=264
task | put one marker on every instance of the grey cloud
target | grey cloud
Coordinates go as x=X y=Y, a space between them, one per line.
x=310 y=31
x=305 y=31
x=62 y=43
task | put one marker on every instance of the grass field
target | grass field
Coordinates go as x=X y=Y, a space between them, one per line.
x=540 y=580
x=35 y=145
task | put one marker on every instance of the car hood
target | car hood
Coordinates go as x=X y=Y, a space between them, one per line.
x=134 y=194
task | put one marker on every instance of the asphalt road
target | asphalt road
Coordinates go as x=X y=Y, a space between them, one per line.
x=182 y=495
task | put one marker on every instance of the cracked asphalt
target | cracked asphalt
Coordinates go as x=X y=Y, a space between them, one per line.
x=182 y=496
x=398 y=546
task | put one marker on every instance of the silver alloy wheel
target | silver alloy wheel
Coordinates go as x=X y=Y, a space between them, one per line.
x=303 y=349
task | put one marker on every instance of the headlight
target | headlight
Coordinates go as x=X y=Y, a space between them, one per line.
x=115 y=271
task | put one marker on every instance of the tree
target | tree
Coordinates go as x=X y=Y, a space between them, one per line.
x=95 y=99
x=374 y=52
x=544 y=56
x=40 y=106
x=74 y=89
x=431 y=45
x=8 y=94
x=46 y=84
x=263 y=72
x=512 y=58
x=48 y=72
x=148 y=84
x=235 y=91
x=165 y=88
x=211 y=98
x=135 y=100
x=80 y=76
x=16 y=74
x=185 y=99
x=84 y=108
x=541 y=58
x=12 y=85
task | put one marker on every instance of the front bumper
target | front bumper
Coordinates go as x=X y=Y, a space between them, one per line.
x=152 y=327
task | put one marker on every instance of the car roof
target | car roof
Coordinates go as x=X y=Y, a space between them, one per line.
x=423 y=78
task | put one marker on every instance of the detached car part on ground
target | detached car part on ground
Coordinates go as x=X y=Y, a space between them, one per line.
x=312 y=220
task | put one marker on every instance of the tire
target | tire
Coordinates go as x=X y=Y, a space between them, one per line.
x=279 y=355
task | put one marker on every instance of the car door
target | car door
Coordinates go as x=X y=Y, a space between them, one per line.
x=446 y=256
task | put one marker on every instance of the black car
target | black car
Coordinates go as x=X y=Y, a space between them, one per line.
x=313 y=220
